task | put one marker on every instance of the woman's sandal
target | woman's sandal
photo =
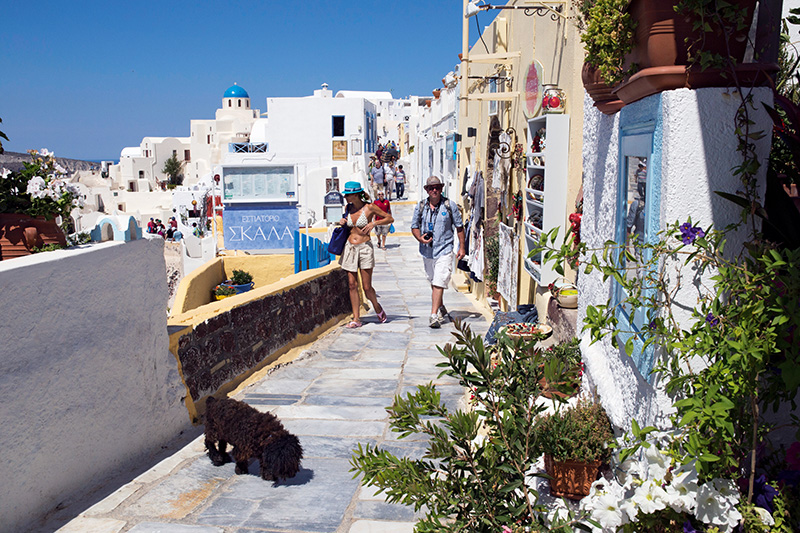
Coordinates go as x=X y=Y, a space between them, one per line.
x=353 y=324
x=382 y=316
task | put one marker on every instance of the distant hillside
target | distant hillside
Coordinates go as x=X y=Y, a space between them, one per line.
x=14 y=160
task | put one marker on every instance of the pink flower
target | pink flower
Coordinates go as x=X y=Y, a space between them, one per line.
x=506 y=529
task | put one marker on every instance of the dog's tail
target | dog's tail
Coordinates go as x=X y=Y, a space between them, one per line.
x=281 y=458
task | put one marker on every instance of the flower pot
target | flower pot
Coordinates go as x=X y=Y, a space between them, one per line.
x=571 y=479
x=661 y=46
x=599 y=91
x=239 y=288
x=222 y=296
x=20 y=234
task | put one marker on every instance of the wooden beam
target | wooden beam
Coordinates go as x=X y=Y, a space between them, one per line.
x=500 y=97
x=494 y=58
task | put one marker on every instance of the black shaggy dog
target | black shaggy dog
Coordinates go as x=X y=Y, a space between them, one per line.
x=252 y=434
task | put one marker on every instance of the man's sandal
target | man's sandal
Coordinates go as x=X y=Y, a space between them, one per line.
x=382 y=316
x=353 y=324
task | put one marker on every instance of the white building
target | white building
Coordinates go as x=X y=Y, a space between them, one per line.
x=436 y=138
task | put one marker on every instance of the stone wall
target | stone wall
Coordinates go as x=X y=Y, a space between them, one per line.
x=221 y=350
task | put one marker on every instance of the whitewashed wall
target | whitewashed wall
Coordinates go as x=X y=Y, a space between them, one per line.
x=698 y=151
x=88 y=387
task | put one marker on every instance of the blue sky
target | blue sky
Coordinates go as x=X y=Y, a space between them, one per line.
x=87 y=78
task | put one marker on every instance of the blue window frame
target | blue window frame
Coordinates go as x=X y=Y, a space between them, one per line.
x=637 y=222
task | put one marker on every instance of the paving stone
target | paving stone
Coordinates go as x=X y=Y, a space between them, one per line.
x=182 y=492
x=366 y=401
x=333 y=447
x=334 y=428
x=112 y=501
x=375 y=526
x=392 y=374
x=161 y=527
x=281 y=386
x=325 y=412
x=377 y=510
x=296 y=372
x=353 y=387
x=271 y=399
x=84 y=524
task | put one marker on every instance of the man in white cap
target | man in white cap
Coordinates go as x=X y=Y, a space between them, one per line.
x=435 y=222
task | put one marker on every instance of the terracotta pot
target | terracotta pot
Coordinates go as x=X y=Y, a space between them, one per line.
x=571 y=479
x=661 y=52
x=20 y=234
x=604 y=98
x=661 y=34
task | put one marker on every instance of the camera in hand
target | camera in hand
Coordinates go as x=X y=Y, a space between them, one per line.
x=428 y=235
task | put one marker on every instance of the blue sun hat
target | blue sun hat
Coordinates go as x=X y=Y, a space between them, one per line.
x=352 y=187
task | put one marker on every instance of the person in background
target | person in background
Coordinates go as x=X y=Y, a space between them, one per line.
x=382 y=231
x=377 y=178
x=196 y=231
x=400 y=181
x=434 y=224
x=358 y=254
x=151 y=226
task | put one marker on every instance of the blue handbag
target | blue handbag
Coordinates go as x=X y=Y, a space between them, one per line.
x=391 y=228
x=339 y=238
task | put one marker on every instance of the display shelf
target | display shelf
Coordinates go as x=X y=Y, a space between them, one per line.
x=551 y=202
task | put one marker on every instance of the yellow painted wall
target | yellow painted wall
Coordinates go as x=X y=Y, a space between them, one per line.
x=195 y=289
x=556 y=45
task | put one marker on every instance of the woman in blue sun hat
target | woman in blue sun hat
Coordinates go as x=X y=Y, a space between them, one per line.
x=359 y=254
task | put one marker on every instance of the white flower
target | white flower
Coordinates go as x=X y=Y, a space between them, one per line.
x=37 y=187
x=4 y=173
x=650 y=497
x=658 y=463
x=44 y=152
x=716 y=509
x=728 y=489
x=628 y=506
x=630 y=472
x=682 y=491
x=606 y=510
x=765 y=517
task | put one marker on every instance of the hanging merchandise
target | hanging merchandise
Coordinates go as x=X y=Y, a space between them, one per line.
x=516 y=208
x=508 y=265
x=501 y=164
x=553 y=100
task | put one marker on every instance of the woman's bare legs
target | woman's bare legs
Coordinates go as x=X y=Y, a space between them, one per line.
x=369 y=291
x=355 y=299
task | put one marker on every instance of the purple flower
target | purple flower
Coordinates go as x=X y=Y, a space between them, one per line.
x=688 y=527
x=764 y=493
x=711 y=319
x=690 y=233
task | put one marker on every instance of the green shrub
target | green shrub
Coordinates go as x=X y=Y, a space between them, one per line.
x=580 y=433
x=240 y=277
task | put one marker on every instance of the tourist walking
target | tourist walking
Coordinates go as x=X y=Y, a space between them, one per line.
x=388 y=173
x=358 y=252
x=382 y=231
x=400 y=181
x=435 y=221
x=377 y=178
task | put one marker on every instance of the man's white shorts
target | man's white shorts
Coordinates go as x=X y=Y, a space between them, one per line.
x=439 y=270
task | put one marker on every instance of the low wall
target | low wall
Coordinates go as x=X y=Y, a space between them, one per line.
x=224 y=342
x=195 y=289
x=88 y=388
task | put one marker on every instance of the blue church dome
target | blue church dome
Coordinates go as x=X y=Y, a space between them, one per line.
x=234 y=91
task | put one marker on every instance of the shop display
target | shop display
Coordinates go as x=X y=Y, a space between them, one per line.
x=545 y=195
x=553 y=99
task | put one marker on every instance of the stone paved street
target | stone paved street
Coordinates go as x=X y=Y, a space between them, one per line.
x=333 y=396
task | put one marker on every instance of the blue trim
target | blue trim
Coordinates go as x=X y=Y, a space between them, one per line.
x=310 y=252
x=641 y=124
x=234 y=91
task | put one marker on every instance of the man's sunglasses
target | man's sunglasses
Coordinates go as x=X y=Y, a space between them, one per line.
x=434 y=187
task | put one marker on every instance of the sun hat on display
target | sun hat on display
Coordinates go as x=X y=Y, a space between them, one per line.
x=433 y=180
x=352 y=187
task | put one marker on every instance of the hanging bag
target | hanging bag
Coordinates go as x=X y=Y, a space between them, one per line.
x=339 y=238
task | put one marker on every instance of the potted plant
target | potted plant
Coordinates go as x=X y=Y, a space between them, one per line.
x=575 y=443
x=241 y=281
x=562 y=371
x=607 y=33
x=33 y=201
x=689 y=43
x=223 y=291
